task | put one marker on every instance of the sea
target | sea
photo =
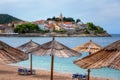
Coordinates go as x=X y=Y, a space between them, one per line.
x=65 y=65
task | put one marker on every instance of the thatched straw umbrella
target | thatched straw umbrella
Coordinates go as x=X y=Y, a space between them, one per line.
x=90 y=47
x=9 y=54
x=109 y=56
x=54 y=48
x=27 y=49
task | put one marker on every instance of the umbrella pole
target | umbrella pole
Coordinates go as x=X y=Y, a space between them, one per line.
x=31 y=63
x=52 y=66
x=88 y=74
x=52 y=61
x=89 y=70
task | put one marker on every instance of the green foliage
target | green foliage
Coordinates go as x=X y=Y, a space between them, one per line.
x=43 y=31
x=86 y=32
x=27 y=28
x=5 y=18
x=69 y=19
x=78 y=20
x=57 y=19
x=53 y=18
x=49 y=19
x=96 y=29
x=91 y=26
x=60 y=31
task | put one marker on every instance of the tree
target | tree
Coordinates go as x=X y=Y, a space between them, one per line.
x=69 y=19
x=78 y=20
x=86 y=32
x=91 y=26
x=57 y=19
x=64 y=19
x=53 y=18
x=96 y=29
x=49 y=19
x=100 y=30
x=27 y=28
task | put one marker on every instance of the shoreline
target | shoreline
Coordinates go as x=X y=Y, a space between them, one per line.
x=11 y=71
x=54 y=34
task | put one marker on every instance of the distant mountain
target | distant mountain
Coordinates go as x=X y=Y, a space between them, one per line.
x=5 y=18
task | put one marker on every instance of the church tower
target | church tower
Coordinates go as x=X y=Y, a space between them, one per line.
x=61 y=20
x=61 y=17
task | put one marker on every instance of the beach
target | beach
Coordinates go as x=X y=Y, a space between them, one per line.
x=8 y=72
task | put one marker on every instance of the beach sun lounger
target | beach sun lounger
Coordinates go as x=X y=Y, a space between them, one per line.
x=25 y=71
x=79 y=77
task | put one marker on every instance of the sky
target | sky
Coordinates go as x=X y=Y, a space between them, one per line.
x=105 y=13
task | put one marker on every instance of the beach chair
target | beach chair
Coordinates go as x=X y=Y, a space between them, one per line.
x=25 y=71
x=29 y=71
x=75 y=76
x=21 y=71
x=79 y=77
x=84 y=77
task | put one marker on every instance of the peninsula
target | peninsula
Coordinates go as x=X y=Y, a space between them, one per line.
x=56 y=26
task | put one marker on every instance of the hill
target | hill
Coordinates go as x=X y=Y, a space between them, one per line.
x=5 y=18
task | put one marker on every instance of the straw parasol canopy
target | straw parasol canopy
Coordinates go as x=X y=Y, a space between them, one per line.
x=60 y=50
x=88 y=47
x=109 y=57
x=27 y=47
x=9 y=54
x=54 y=48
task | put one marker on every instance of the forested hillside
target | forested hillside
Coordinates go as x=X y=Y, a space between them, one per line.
x=5 y=18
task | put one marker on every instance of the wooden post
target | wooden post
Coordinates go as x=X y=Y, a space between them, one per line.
x=88 y=74
x=52 y=61
x=52 y=66
x=89 y=70
x=31 y=63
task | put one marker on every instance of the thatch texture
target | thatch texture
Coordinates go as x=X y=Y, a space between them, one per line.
x=9 y=54
x=88 y=47
x=109 y=56
x=59 y=49
x=26 y=47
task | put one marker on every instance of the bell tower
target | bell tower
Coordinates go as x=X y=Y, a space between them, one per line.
x=61 y=17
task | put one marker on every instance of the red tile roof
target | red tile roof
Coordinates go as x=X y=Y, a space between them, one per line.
x=68 y=23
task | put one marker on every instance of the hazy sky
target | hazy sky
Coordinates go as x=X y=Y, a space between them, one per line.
x=105 y=13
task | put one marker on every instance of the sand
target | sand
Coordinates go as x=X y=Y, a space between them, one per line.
x=8 y=72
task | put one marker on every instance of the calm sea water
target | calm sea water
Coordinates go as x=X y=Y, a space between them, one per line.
x=65 y=64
